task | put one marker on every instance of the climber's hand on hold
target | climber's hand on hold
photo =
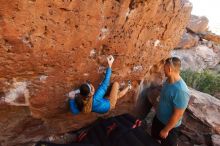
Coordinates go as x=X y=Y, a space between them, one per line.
x=72 y=94
x=110 y=60
x=92 y=91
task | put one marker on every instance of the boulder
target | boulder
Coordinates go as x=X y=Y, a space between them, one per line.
x=217 y=68
x=47 y=48
x=209 y=44
x=211 y=37
x=216 y=48
x=198 y=58
x=201 y=119
x=188 y=40
x=206 y=108
x=198 y=24
x=216 y=140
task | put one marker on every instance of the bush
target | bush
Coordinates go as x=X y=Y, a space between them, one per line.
x=207 y=81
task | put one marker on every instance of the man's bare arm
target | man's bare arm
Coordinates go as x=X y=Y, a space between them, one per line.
x=177 y=114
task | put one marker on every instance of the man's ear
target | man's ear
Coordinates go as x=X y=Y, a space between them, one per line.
x=93 y=90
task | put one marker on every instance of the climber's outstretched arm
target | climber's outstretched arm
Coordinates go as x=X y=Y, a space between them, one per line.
x=102 y=89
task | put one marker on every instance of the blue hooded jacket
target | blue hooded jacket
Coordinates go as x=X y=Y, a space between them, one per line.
x=100 y=103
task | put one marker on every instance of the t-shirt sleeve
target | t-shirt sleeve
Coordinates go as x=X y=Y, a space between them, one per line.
x=181 y=99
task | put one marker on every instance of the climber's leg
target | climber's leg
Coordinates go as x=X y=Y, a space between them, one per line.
x=114 y=94
x=123 y=92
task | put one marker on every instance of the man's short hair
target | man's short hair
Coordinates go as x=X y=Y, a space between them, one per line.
x=175 y=62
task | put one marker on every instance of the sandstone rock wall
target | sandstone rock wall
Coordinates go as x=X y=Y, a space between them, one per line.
x=49 y=47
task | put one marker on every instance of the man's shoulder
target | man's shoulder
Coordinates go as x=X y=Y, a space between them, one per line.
x=181 y=90
x=181 y=86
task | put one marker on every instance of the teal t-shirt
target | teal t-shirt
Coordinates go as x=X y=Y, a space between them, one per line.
x=172 y=96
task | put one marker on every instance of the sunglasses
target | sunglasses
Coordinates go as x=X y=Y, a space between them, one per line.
x=170 y=60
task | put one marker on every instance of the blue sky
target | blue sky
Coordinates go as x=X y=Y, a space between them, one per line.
x=210 y=9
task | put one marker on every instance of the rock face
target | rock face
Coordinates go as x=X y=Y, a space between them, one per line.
x=211 y=37
x=188 y=40
x=216 y=140
x=201 y=119
x=217 y=68
x=49 y=47
x=198 y=40
x=203 y=48
x=196 y=34
x=198 y=24
x=198 y=58
x=206 y=108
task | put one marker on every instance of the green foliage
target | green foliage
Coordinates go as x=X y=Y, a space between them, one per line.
x=207 y=81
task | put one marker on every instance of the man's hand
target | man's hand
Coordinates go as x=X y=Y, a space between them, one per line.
x=177 y=114
x=164 y=133
x=110 y=60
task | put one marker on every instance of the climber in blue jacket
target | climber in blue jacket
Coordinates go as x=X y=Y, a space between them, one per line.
x=86 y=99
